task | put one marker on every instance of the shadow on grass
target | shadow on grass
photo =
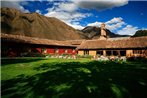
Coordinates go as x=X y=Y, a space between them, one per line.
x=18 y=60
x=80 y=80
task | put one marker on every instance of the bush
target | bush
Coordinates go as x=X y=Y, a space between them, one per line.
x=142 y=59
x=84 y=56
x=34 y=55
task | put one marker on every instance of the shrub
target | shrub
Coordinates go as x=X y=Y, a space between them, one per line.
x=142 y=59
x=84 y=56
x=34 y=55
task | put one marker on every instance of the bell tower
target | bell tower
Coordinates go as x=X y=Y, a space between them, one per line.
x=103 y=32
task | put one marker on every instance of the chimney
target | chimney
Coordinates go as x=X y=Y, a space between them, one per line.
x=103 y=32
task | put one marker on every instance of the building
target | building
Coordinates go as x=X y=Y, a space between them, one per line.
x=16 y=45
x=114 y=46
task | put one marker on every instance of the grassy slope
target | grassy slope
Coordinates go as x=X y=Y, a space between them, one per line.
x=60 y=78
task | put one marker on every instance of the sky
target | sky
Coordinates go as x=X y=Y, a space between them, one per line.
x=120 y=16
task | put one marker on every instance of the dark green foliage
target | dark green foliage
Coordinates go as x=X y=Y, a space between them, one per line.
x=84 y=56
x=15 y=60
x=34 y=55
x=140 y=33
x=137 y=59
x=80 y=80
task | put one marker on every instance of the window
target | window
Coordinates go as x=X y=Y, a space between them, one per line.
x=123 y=53
x=86 y=52
x=108 y=53
x=99 y=52
x=137 y=51
x=115 y=53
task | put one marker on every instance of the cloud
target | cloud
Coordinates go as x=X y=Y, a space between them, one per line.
x=100 y=5
x=128 y=30
x=95 y=24
x=114 y=20
x=14 y=4
x=69 y=7
x=38 y=11
x=67 y=17
x=117 y=25
x=113 y=24
x=67 y=12
x=76 y=26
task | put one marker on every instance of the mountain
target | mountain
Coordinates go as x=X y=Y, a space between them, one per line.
x=140 y=33
x=93 y=32
x=35 y=25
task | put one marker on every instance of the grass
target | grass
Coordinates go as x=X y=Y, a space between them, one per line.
x=60 y=78
x=14 y=67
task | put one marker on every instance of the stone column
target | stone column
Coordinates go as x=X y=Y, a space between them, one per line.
x=103 y=32
x=104 y=52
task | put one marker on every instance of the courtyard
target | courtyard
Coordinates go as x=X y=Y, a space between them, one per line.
x=69 y=78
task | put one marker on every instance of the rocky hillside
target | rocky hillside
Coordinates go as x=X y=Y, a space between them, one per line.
x=93 y=32
x=140 y=33
x=36 y=25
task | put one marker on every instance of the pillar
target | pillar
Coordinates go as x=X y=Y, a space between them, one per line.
x=104 y=52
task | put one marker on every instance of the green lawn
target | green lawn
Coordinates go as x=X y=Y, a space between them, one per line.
x=83 y=78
